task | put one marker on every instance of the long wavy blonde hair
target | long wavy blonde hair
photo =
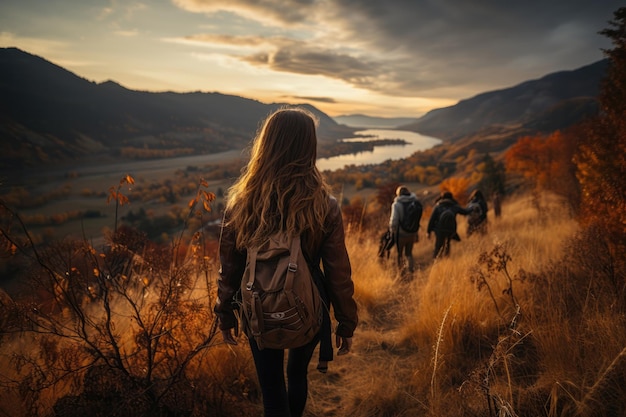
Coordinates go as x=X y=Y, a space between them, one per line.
x=281 y=188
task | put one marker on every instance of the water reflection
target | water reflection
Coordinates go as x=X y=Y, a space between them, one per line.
x=379 y=154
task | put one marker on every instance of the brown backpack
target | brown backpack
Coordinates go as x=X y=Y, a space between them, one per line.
x=281 y=302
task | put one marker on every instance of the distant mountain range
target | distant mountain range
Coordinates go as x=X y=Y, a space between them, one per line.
x=48 y=114
x=553 y=102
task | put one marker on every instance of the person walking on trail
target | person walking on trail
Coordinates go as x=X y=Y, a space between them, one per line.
x=404 y=222
x=443 y=223
x=282 y=191
x=477 y=218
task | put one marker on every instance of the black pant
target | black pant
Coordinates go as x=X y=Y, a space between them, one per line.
x=280 y=400
x=442 y=245
x=326 y=342
x=404 y=244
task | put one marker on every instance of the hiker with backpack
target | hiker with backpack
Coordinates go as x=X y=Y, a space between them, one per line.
x=280 y=223
x=477 y=218
x=443 y=223
x=404 y=223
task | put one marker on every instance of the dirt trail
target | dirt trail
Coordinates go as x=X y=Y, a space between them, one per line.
x=378 y=368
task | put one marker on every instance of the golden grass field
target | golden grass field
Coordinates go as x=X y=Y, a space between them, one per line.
x=435 y=345
x=538 y=338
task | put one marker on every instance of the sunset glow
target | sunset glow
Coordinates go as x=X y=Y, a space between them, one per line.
x=379 y=58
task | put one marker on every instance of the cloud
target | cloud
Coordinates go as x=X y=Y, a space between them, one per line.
x=38 y=46
x=284 y=12
x=416 y=48
x=127 y=33
x=301 y=59
x=105 y=12
x=227 y=39
x=297 y=57
x=317 y=99
x=119 y=14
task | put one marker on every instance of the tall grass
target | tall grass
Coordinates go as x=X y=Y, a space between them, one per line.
x=507 y=325
x=526 y=320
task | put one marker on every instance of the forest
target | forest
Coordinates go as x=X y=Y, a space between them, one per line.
x=528 y=319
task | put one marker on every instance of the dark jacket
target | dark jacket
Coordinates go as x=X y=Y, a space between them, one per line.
x=478 y=209
x=397 y=211
x=440 y=207
x=328 y=246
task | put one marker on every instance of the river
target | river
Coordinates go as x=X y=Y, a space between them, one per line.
x=415 y=142
x=106 y=174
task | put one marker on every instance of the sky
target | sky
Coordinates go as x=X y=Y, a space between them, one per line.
x=385 y=58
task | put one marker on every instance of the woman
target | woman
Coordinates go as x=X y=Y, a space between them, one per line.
x=282 y=190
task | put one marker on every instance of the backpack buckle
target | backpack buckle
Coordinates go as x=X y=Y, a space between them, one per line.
x=292 y=267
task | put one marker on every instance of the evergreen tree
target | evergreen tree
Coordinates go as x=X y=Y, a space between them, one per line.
x=601 y=159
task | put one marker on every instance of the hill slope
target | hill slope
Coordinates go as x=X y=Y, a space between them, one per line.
x=49 y=114
x=553 y=102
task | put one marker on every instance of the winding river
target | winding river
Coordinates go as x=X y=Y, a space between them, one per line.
x=415 y=142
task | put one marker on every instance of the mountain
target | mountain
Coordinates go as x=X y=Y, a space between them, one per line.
x=364 y=121
x=552 y=102
x=48 y=114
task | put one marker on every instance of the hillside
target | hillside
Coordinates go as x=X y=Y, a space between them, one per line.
x=553 y=102
x=49 y=114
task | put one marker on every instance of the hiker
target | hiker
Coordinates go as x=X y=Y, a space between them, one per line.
x=281 y=190
x=443 y=223
x=477 y=218
x=403 y=225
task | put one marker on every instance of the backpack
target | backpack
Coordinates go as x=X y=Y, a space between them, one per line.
x=476 y=213
x=386 y=242
x=281 y=302
x=484 y=209
x=447 y=222
x=411 y=216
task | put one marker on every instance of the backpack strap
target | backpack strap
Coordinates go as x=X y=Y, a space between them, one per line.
x=296 y=248
x=252 y=253
x=256 y=326
x=292 y=267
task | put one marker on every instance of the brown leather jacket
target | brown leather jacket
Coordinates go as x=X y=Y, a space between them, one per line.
x=328 y=246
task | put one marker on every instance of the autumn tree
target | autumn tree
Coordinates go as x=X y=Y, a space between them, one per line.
x=601 y=159
x=601 y=170
x=527 y=158
x=458 y=186
x=385 y=194
x=121 y=327
x=545 y=162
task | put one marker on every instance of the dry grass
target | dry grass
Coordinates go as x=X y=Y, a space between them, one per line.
x=437 y=345
x=542 y=335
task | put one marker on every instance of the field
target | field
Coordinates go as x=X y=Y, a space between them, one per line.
x=509 y=324
x=86 y=186
x=422 y=342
